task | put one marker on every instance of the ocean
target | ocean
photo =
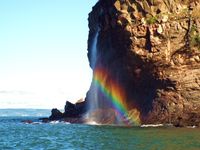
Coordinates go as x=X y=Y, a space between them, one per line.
x=16 y=135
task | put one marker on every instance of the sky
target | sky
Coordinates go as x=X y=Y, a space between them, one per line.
x=43 y=52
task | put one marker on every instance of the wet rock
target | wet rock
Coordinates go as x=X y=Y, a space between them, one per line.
x=69 y=108
x=44 y=120
x=27 y=121
x=73 y=113
x=56 y=114
x=75 y=110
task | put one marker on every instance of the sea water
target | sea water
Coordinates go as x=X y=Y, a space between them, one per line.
x=16 y=135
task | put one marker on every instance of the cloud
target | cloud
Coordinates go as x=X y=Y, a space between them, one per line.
x=6 y=92
x=14 y=92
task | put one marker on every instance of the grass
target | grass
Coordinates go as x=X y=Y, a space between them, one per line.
x=151 y=20
x=195 y=40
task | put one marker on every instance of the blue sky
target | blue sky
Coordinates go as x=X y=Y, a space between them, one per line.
x=43 y=52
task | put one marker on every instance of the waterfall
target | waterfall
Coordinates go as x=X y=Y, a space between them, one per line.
x=93 y=104
x=107 y=97
x=99 y=111
x=94 y=49
x=93 y=96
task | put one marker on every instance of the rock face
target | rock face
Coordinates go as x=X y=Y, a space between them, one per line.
x=152 y=49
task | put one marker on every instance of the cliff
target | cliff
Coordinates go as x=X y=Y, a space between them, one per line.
x=151 y=48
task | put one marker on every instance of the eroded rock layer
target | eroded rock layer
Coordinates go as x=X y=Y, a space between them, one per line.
x=152 y=49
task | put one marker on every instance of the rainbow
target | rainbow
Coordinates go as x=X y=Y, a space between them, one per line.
x=116 y=95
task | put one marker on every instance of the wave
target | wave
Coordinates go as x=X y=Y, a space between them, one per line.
x=92 y=123
x=59 y=122
x=191 y=127
x=152 y=125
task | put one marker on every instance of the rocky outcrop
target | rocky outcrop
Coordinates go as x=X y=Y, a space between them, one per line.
x=73 y=113
x=56 y=114
x=152 y=49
